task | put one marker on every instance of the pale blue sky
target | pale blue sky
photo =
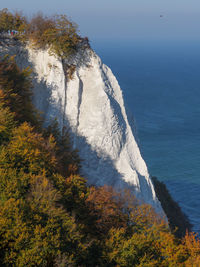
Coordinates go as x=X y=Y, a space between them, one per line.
x=117 y=19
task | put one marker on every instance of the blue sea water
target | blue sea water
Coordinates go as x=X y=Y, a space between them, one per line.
x=161 y=87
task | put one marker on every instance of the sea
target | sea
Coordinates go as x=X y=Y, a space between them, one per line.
x=160 y=81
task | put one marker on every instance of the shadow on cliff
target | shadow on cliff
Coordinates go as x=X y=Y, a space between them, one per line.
x=186 y=194
x=80 y=59
x=98 y=168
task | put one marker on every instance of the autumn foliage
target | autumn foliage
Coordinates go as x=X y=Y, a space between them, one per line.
x=15 y=92
x=49 y=216
x=56 y=33
x=12 y=21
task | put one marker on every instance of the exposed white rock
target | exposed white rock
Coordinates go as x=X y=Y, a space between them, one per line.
x=92 y=105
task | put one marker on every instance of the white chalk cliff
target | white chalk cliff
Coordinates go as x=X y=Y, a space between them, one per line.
x=92 y=105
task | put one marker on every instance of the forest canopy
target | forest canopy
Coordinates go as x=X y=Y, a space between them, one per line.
x=49 y=215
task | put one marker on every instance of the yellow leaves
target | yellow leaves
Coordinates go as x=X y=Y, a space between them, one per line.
x=191 y=245
x=75 y=191
x=35 y=229
x=147 y=241
x=30 y=151
x=42 y=195
x=46 y=218
x=6 y=124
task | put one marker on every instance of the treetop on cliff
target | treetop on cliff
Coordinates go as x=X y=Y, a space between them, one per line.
x=56 y=33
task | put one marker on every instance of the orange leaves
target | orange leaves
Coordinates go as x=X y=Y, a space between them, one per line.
x=192 y=247
x=48 y=214
x=105 y=206
x=192 y=243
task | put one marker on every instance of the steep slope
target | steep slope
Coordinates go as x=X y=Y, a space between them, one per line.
x=91 y=105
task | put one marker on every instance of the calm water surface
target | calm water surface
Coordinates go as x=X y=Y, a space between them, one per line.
x=161 y=87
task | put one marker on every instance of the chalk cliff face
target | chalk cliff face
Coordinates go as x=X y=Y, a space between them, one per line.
x=91 y=105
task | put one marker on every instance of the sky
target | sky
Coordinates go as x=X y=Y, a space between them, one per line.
x=122 y=19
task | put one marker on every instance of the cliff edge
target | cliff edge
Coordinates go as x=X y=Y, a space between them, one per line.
x=89 y=102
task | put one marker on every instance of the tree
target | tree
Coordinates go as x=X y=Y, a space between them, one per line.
x=191 y=245
x=15 y=91
x=57 y=33
x=106 y=209
x=6 y=20
x=7 y=124
x=36 y=230
x=36 y=29
x=9 y=21
x=29 y=151
x=65 y=39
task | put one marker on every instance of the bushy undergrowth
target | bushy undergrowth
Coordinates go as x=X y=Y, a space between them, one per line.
x=49 y=216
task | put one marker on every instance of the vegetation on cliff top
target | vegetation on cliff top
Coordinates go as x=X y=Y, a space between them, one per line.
x=10 y=21
x=57 y=33
x=48 y=214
